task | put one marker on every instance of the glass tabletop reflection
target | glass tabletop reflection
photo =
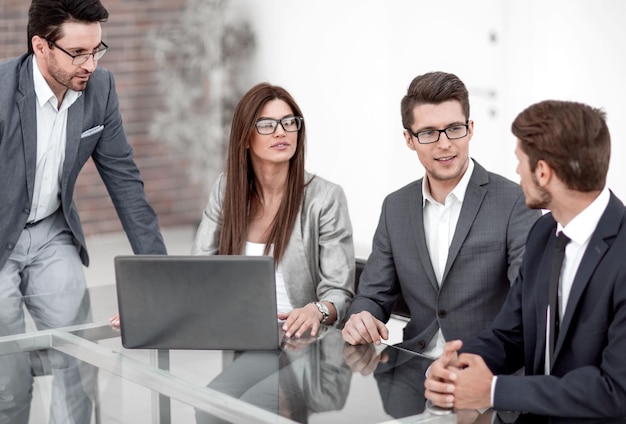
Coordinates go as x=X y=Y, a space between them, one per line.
x=80 y=372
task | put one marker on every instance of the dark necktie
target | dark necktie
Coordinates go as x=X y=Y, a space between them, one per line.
x=553 y=298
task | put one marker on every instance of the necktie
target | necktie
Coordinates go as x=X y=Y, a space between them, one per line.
x=553 y=298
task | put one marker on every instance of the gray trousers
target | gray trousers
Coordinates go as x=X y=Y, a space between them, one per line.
x=44 y=274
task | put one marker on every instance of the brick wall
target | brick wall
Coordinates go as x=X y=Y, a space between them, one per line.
x=176 y=198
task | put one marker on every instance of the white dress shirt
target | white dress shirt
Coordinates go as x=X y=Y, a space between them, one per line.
x=51 y=141
x=439 y=225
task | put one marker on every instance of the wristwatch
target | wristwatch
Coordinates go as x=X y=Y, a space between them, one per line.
x=323 y=310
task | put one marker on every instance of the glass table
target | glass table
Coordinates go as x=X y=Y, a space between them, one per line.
x=81 y=373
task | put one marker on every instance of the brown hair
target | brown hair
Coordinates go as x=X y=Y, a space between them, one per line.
x=433 y=88
x=240 y=182
x=46 y=17
x=572 y=138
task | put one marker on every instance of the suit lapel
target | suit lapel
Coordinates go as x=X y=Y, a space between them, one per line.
x=600 y=241
x=474 y=197
x=295 y=261
x=416 y=213
x=541 y=300
x=28 y=120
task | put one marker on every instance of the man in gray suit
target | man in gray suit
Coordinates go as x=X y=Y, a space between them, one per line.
x=56 y=111
x=449 y=244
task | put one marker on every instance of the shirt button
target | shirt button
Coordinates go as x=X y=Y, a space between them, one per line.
x=442 y=314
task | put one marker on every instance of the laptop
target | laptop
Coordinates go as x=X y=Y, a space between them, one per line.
x=197 y=302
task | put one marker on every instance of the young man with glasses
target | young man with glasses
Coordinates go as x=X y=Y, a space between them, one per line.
x=57 y=109
x=449 y=244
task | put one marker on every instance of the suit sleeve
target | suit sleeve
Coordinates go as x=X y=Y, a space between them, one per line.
x=502 y=345
x=378 y=288
x=207 y=238
x=113 y=157
x=336 y=252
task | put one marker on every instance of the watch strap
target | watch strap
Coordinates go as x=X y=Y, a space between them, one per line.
x=323 y=310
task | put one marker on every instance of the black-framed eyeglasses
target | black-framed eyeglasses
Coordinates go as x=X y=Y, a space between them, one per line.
x=453 y=132
x=266 y=126
x=79 y=59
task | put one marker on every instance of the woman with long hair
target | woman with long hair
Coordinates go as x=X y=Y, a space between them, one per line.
x=267 y=204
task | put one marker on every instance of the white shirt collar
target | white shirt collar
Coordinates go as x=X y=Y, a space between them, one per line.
x=584 y=224
x=458 y=192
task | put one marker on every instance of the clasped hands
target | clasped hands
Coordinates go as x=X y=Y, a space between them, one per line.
x=459 y=381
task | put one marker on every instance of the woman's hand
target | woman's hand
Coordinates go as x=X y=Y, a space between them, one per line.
x=115 y=321
x=298 y=321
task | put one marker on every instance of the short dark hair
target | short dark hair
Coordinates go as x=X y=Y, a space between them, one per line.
x=45 y=17
x=433 y=88
x=573 y=138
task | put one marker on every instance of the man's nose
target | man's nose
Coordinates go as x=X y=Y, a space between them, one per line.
x=90 y=64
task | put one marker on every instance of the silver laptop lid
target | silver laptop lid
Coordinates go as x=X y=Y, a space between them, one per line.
x=197 y=302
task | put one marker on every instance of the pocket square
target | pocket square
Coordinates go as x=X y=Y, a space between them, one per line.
x=92 y=131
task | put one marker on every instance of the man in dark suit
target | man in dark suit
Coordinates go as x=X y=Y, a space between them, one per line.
x=449 y=244
x=574 y=356
x=56 y=111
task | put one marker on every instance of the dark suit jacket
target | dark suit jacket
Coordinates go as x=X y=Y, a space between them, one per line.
x=589 y=369
x=111 y=153
x=483 y=260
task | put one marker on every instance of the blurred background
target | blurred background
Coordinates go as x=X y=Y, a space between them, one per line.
x=181 y=66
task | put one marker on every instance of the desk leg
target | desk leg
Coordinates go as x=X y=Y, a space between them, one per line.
x=163 y=402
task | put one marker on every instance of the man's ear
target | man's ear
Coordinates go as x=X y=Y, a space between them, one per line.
x=543 y=173
x=409 y=140
x=39 y=45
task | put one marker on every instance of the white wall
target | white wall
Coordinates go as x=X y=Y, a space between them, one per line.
x=570 y=50
x=348 y=64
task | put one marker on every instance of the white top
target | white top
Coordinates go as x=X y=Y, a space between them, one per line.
x=51 y=140
x=439 y=225
x=282 y=299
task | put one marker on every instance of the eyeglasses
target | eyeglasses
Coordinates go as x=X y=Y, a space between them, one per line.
x=79 y=59
x=267 y=126
x=453 y=132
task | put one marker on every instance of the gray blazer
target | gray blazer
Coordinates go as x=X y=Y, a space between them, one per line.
x=94 y=129
x=319 y=260
x=483 y=260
